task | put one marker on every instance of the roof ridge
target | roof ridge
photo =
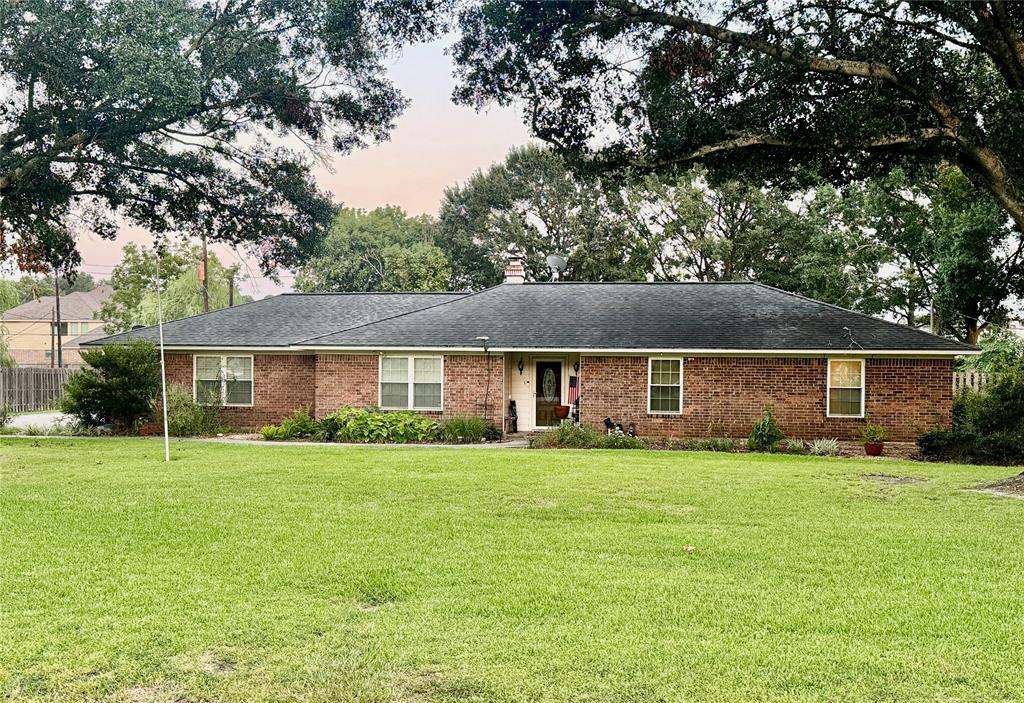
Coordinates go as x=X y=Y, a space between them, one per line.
x=863 y=314
x=638 y=283
x=395 y=317
x=376 y=292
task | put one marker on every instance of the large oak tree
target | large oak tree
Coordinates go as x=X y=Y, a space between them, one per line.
x=197 y=117
x=795 y=89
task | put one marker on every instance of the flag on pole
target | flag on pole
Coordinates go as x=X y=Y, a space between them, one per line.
x=574 y=389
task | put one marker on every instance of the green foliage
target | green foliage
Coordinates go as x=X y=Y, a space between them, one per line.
x=533 y=201
x=135 y=276
x=134 y=301
x=987 y=427
x=622 y=441
x=957 y=240
x=186 y=417
x=6 y=360
x=1001 y=350
x=786 y=91
x=710 y=444
x=824 y=447
x=170 y=120
x=570 y=436
x=795 y=446
x=464 y=430
x=872 y=433
x=349 y=424
x=766 y=434
x=276 y=433
x=381 y=250
x=117 y=387
x=5 y=415
x=300 y=424
x=10 y=295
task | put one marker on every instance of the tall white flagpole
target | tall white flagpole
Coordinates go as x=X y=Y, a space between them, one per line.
x=163 y=367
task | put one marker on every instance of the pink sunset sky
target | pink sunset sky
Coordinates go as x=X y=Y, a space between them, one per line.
x=435 y=144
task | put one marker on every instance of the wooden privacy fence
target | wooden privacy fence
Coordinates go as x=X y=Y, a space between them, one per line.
x=26 y=389
x=972 y=381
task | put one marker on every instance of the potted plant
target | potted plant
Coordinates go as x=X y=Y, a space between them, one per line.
x=562 y=411
x=873 y=436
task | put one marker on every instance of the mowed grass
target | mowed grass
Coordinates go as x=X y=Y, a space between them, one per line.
x=260 y=573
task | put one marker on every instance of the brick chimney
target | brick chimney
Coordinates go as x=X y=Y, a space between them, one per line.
x=515 y=272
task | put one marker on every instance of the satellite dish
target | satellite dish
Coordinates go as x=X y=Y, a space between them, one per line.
x=556 y=264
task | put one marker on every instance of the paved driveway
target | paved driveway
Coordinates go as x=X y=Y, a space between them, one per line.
x=47 y=419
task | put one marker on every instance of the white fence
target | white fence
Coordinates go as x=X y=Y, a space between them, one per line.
x=971 y=380
x=26 y=389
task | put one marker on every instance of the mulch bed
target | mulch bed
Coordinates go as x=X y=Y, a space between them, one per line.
x=1013 y=486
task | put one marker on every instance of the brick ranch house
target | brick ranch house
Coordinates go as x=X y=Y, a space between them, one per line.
x=676 y=359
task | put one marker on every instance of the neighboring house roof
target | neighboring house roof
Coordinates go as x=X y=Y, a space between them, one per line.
x=735 y=316
x=284 y=320
x=73 y=306
x=90 y=336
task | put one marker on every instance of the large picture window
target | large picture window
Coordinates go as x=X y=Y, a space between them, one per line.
x=223 y=380
x=411 y=382
x=665 y=386
x=845 y=388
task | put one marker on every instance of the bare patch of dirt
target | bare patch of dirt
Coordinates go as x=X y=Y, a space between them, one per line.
x=891 y=480
x=153 y=693
x=215 y=664
x=432 y=685
x=1012 y=487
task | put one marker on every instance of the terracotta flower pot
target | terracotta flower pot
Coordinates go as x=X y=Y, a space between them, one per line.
x=873 y=448
x=561 y=411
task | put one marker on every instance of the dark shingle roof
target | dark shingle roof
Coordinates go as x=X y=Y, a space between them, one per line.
x=283 y=320
x=692 y=316
x=580 y=316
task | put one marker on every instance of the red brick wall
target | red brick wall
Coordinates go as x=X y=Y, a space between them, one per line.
x=907 y=396
x=348 y=379
x=345 y=379
x=282 y=383
x=466 y=389
x=324 y=383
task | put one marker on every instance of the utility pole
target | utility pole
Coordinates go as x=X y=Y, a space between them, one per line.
x=56 y=298
x=53 y=328
x=206 y=278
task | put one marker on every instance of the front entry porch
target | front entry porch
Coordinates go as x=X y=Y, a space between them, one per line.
x=539 y=384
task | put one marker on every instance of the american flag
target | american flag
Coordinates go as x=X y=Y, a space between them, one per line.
x=574 y=389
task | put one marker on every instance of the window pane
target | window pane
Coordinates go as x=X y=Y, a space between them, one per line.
x=665 y=399
x=208 y=392
x=845 y=374
x=239 y=392
x=427 y=395
x=844 y=401
x=394 y=395
x=208 y=368
x=239 y=368
x=427 y=371
x=665 y=372
x=394 y=369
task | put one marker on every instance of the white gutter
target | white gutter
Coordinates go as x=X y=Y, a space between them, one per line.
x=590 y=352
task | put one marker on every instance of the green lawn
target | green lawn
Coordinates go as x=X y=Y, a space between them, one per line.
x=249 y=573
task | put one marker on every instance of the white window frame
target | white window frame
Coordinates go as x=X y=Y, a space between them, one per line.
x=828 y=386
x=410 y=381
x=650 y=377
x=223 y=380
